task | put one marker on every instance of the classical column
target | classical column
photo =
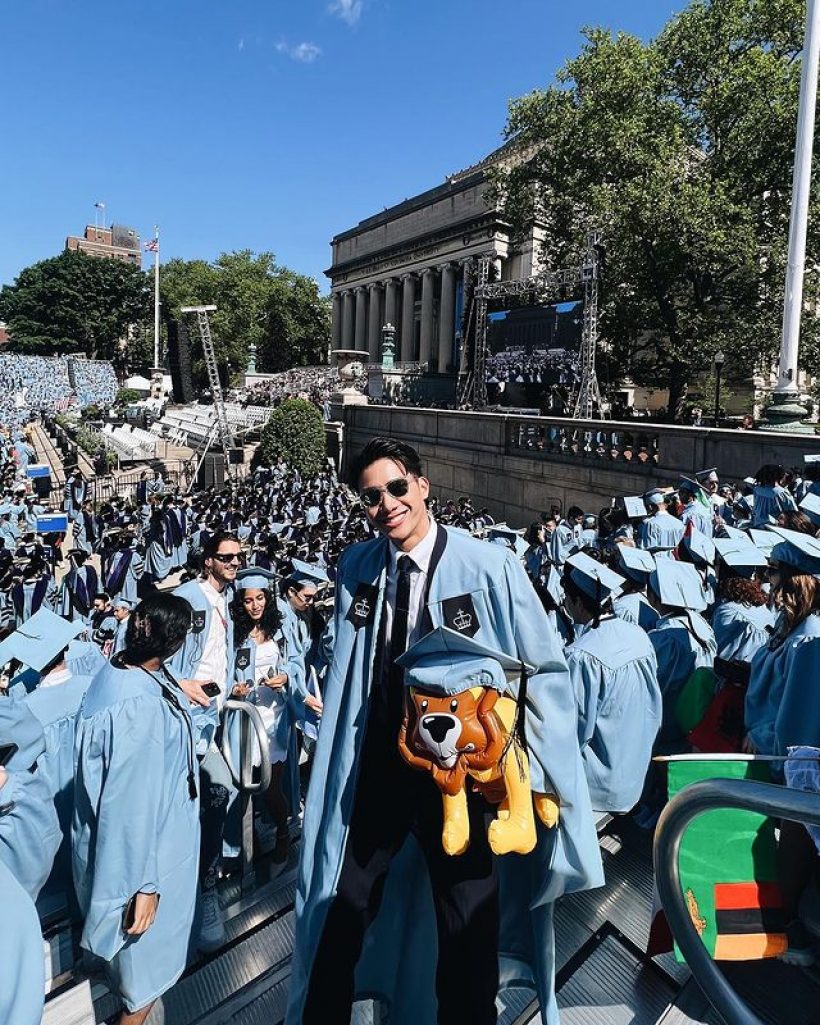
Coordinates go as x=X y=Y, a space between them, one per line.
x=347 y=319
x=336 y=320
x=374 y=323
x=361 y=317
x=408 y=316
x=446 y=316
x=391 y=301
x=428 y=301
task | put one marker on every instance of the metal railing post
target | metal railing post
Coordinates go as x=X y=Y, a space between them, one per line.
x=694 y=800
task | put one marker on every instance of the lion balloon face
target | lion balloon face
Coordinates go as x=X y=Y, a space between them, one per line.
x=446 y=727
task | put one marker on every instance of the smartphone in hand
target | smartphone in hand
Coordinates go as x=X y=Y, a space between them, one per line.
x=211 y=688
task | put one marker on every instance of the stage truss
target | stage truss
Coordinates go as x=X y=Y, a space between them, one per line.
x=542 y=288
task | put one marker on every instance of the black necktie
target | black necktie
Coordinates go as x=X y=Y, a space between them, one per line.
x=398 y=635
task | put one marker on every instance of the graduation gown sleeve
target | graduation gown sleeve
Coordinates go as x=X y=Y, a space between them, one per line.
x=29 y=829
x=22 y=979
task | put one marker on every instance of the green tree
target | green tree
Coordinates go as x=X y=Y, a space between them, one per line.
x=679 y=151
x=294 y=432
x=258 y=302
x=74 y=303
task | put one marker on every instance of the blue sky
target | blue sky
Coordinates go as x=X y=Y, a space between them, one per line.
x=261 y=124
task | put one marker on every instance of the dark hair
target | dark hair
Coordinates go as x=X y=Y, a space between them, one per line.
x=102 y=596
x=590 y=604
x=243 y=624
x=574 y=512
x=211 y=545
x=156 y=628
x=770 y=474
x=384 y=448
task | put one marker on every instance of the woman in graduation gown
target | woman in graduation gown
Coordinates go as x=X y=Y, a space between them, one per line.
x=22 y=979
x=270 y=672
x=135 y=831
x=742 y=619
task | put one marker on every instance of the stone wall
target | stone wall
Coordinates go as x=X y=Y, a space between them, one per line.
x=518 y=466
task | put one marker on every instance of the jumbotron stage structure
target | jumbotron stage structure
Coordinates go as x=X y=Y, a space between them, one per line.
x=540 y=288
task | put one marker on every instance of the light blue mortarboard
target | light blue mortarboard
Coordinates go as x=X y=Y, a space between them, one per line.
x=308 y=573
x=734 y=533
x=765 y=540
x=593 y=578
x=40 y=639
x=811 y=507
x=509 y=537
x=678 y=585
x=710 y=474
x=635 y=507
x=655 y=497
x=124 y=603
x=445 y=662
x=802 y=551
x=693 y=486
x=636 y=563
x=699 y=546
x=741 y=556
x=255 y=577
x=19 y=726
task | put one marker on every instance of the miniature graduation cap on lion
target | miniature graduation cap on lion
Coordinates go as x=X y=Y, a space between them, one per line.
x=461 y=724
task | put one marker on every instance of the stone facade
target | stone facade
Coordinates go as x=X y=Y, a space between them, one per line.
x=407 y=266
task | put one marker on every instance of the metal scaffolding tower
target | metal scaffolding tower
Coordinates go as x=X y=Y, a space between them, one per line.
x=221 y=428
x=540 y=287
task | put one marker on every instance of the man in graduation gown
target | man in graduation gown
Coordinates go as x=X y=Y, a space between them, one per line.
x=366 y=810
x=125 y=568
x=78 y=588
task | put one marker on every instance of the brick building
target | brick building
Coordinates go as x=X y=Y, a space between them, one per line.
x=118 y=242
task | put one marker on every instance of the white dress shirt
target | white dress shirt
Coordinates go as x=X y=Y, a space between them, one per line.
x=214 y=662
x=419 y=569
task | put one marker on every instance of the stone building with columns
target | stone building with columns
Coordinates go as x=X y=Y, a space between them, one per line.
x=407 y=266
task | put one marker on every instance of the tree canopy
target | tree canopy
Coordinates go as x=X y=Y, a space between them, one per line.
x=295 y=433
x=258 y=302
x=679 y=151
x=74 y=303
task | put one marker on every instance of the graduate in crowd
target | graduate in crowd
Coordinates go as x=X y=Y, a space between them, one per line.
x=661 y=532
x=78 y=588
x=135 y=832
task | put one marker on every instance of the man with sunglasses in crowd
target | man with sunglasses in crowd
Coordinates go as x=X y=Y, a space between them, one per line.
x=205 y=663
x=364 y=802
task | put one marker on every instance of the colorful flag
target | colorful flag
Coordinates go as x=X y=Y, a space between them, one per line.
x=728 y=868
x=152 y=245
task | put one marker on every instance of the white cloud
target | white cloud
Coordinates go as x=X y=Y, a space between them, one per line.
x=305 y=53
x=241 y=45
x=348 y=10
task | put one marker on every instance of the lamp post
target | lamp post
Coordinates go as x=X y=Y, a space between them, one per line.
x=388 y=346
x=719 y=360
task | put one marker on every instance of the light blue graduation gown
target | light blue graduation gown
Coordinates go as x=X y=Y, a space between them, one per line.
x=135 y=828
x=683 y=642
x=769 y=503
x=566 y=859
x=22 y=978
x=614 y=673
x=564 y=541
x=699 y=516
x=741 y=630
x=55 y=708
x=636 y=608
x=129 y=576
x=185 y=661
x=29 y=829
x=660 y=533
x=781 y=705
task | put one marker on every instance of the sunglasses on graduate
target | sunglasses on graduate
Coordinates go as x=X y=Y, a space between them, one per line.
x=398 y=488
x=226 y=557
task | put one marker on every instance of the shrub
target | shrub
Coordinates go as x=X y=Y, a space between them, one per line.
x=294 y=432
x=127 y=397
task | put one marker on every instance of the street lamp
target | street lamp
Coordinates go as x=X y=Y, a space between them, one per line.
x=719 y=359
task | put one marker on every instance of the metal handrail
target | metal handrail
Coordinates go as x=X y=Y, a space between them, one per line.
x=243 y=779
x=694 y=800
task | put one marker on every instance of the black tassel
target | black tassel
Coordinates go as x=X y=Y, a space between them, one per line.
x=518 y=735
x=192 y=791
x=596 y=622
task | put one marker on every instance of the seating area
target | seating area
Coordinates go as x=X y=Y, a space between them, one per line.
x=191 y=425
x=132 y=444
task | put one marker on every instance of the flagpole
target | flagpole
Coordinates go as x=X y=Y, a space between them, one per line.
x=156 y=297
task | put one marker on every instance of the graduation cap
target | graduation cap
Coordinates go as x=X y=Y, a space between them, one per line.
x=692 y=486
x=511 y=539
x=123 y=603
x=19 y=726
x=740 y=556
x=635 y=507
x=655 y=497
x=555 y=589
x=802 y=551
x=811 y=507
x=255 y=577
x=678 y=585
x=700 y=547
x=40 y=639
x=445 y=662
x=710 y=475
x=636 y=563
x=734 y=533
x=308 y=573
x=593 y=578
x=765 y=540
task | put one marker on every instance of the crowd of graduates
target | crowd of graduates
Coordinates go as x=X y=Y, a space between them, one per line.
x=688 y=619
x=43 y=384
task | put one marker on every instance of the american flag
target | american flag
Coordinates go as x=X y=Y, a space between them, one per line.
x=152 y=245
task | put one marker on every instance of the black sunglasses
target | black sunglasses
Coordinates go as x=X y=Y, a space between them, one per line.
x=228 y=557
x=398 y=488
